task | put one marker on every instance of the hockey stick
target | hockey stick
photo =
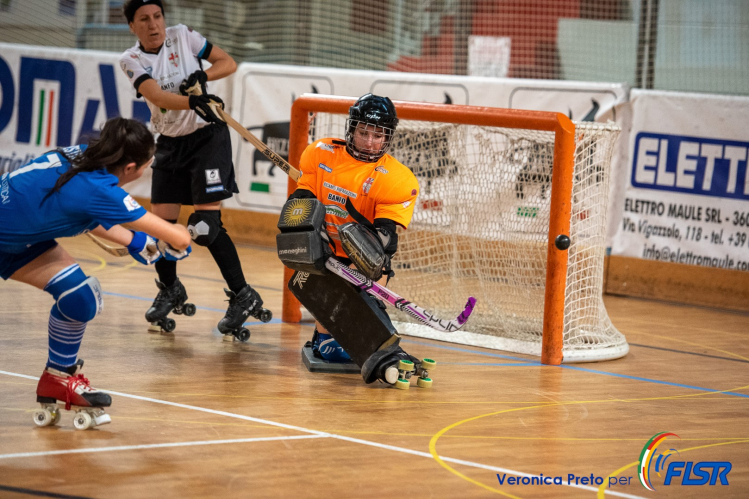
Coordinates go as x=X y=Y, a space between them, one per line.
x=112 y=250
x=357 y=279
x=116 y=250
x=259 y=144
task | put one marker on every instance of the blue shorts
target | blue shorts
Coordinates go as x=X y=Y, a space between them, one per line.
x=10 y=262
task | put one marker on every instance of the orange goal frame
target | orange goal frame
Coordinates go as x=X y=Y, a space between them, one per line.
x=561 y=186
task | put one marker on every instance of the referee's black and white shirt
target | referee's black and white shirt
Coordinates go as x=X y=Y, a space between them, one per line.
x=176 y=60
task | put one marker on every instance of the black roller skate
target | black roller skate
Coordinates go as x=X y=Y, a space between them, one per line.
x=395 y=367
x=241 y=305
x=169 y=299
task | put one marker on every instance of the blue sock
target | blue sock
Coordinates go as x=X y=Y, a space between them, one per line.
x=65 y=335
x=330 y=350
x=65 y=338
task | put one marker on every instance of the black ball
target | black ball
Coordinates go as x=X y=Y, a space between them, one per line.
x=562 y=242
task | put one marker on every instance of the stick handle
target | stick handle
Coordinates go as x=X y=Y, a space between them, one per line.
x=281 y=163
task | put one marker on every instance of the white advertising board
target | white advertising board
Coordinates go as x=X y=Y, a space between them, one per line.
x=686 y=198
x=264 y=93
x=53 y=98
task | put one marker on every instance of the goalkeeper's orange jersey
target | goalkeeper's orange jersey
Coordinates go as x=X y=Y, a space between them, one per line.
x=385 y=189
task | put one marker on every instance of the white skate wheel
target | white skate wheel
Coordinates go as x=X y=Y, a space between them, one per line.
x=154 y=327
x=83 y=421
x=391 y=375
x=43 y=417
x=56 y=415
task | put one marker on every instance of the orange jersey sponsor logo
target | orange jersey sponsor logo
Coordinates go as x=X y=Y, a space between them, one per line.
x=385 y=189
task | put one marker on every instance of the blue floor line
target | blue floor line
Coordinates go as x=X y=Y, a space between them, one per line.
x=520 y=360
x=523 y=361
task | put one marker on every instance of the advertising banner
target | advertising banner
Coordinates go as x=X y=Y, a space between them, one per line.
x=59 y=97
x=686 y=198
x=264 y=93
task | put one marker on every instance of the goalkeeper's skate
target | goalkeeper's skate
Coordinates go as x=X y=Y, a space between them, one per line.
x=241 y=305
x=395 y=367
x=169 y=299
x=70 y=390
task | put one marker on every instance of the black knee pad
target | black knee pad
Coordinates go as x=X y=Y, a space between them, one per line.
x=204 y=226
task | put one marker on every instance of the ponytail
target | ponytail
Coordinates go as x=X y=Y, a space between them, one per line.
x=122 y=141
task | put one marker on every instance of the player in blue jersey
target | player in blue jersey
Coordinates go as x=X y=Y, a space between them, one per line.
x=65 y=193
x=194 y=157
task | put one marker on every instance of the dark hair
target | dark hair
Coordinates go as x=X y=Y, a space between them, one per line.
x=122 y=141
x=131 y=7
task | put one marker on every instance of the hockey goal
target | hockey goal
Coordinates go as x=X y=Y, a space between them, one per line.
x=498 y=186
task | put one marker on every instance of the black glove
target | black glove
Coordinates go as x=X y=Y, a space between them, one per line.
x=198 y=77
x=201 y=104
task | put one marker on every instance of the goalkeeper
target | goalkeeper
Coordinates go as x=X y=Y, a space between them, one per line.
x=362 y=194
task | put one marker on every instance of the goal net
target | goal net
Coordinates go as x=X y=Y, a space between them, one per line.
x=481 y=228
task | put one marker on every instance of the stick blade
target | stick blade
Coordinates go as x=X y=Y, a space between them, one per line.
x=463 y=317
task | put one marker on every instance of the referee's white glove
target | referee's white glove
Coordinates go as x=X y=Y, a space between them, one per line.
x=172 y=254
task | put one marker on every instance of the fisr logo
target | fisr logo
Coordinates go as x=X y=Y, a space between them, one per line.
x=701 y=472
x=653 y=459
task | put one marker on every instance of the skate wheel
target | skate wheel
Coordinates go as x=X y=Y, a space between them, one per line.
x=155 y=327
x=168 y=325
x=424 y=382
x=83 y=421
x=188 y=309
x=405 y=365
x=243 y=335
x=266 y=315
x=428 y=364
x=56 y=415
x=402 y=384
x=43 y=417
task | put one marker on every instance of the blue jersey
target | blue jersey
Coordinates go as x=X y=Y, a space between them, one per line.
x=87 y=200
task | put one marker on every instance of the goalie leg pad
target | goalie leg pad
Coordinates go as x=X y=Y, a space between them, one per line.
x=302 y=243
x=349 y=314
x=204 y=226
x=79 y=298
x=364 y=248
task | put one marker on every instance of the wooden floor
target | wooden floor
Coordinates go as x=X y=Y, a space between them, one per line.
x=195 y=416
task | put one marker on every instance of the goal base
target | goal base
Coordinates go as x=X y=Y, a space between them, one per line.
x=570 y=356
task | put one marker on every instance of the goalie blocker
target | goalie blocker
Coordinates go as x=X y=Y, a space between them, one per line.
x=303 y=242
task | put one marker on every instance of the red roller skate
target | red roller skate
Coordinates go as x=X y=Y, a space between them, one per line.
x=70 y=391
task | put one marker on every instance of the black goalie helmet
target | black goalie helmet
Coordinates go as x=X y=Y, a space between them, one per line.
x=376 y=115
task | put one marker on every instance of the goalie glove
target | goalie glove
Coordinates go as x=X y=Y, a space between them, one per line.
x=205 y=107
x=172 y=254
x=143 y=248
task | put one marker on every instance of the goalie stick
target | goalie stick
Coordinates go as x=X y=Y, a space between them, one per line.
x=357 y=279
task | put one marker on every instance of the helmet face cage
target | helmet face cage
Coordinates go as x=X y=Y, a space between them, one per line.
x=367 y=155
x=378 y=116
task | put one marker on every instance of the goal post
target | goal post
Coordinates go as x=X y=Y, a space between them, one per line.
x=498 y=186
